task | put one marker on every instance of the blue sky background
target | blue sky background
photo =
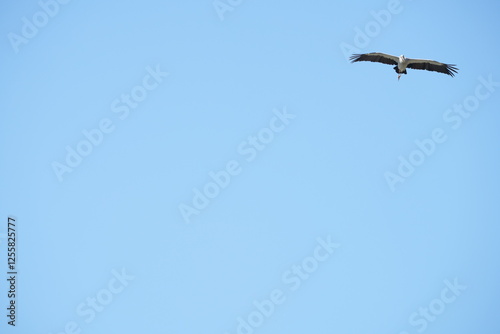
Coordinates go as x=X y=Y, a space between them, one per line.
x=323 y=175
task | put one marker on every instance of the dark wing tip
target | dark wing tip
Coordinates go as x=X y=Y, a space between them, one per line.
x=355 y=57
x=452 y=69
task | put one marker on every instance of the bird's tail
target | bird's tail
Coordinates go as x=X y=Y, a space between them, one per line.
x=398 y=71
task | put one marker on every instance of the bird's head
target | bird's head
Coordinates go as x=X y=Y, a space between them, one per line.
x=402 y=57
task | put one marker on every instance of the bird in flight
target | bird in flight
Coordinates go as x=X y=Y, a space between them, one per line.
x=402 y=63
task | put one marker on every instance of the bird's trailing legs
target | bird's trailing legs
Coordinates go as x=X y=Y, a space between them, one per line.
x=399 y=76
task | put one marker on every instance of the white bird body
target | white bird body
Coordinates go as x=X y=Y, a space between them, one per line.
x=402 y=63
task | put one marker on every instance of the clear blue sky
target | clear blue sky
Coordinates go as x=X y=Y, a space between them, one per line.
x=179 y=168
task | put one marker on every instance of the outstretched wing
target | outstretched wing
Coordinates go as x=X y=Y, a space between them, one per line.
x=432 y=65
x=376 y=57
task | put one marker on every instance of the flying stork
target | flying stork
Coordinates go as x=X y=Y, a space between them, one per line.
x=402 y=63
